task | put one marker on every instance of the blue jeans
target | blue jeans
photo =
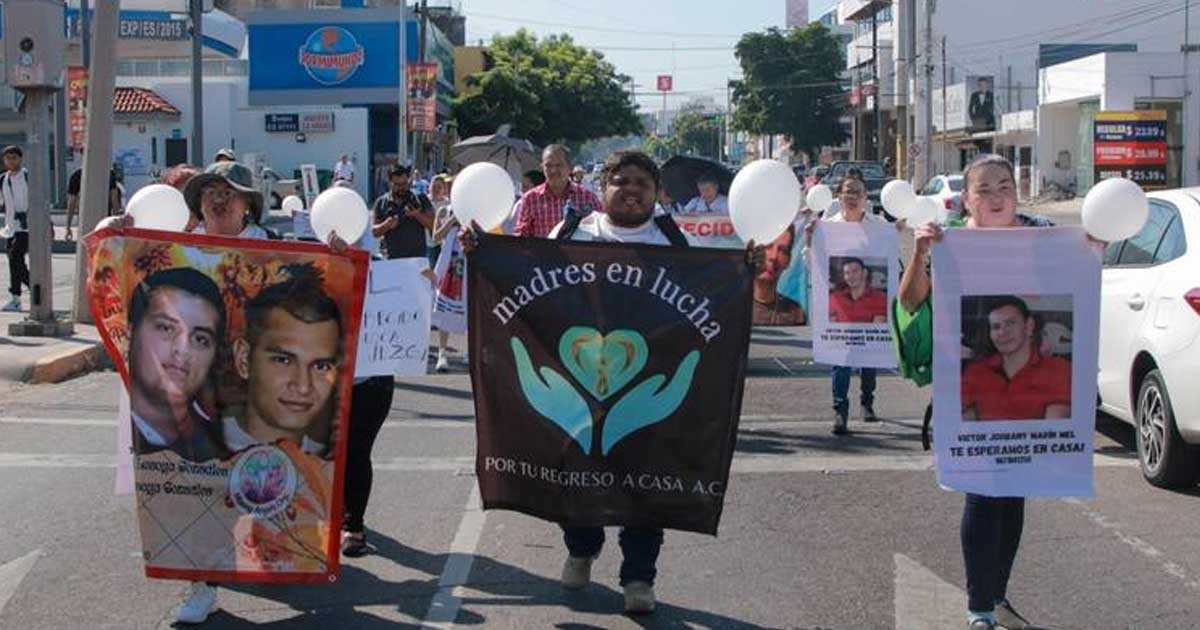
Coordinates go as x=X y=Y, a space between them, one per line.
x=991 y=535
x=841 y=387
x=639 y=546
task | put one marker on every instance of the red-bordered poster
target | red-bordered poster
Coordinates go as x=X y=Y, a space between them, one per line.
x=77 y=90
x=238 y=356
x=422 y=96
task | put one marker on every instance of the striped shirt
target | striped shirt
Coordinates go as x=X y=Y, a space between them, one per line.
x=541 y=209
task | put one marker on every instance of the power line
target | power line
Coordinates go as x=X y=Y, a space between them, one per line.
x=603 y=29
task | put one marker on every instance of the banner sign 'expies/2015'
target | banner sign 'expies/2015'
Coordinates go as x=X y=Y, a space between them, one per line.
x=607 y=379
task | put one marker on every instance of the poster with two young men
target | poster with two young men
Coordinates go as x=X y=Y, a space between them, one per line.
x=238 y=357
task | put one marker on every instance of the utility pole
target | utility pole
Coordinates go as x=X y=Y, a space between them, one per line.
x=93 y=198
x=903 y=50
x=924 y=118
x=945 y=112
x=419 y=136
x=197 y=89
x=402 y=102
x=878 y=144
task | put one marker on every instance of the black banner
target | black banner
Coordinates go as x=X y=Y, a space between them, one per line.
x=607 y=379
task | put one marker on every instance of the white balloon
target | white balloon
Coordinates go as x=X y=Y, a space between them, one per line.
x=763 y=200
x=291 y=204
x=819 y=198
x=898 y=198
x=339 y=210
x=923 y=210
x=1115 y=209
x=158 y=207
x=483 y=192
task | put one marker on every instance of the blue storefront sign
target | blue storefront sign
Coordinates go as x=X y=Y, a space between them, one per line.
x=324 y=57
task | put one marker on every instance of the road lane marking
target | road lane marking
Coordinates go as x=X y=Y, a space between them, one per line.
x=444 y=607
x=12 y=573
x=1138 y=544
x=924 y=600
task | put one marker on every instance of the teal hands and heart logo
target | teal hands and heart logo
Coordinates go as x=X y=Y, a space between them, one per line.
x=603 y=364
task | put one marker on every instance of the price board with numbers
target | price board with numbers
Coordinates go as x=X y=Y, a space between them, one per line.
x=1132 y=145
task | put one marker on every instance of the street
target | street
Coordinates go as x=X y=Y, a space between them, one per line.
x=818 y=531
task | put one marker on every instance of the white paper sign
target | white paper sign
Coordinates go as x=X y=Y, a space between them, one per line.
x=855 y=273
x=302 y=224
x=1015 y=323
x=394 y=339
x=309 y=183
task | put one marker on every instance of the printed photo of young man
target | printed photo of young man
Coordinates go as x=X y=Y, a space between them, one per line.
x=854 y=300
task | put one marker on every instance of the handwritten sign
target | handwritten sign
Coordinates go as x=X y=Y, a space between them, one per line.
x=394 y=337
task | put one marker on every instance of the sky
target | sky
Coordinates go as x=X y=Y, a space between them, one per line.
x=637 y=36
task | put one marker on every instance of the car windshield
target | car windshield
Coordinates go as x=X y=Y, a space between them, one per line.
x=955 y=184
x=868 y=169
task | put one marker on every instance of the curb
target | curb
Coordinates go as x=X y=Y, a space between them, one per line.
x=67 y=365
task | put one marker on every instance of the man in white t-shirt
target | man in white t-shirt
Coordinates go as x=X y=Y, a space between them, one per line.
x=14 y=207
x=344 y=169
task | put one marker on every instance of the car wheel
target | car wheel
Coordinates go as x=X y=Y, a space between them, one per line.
x=1167 y=461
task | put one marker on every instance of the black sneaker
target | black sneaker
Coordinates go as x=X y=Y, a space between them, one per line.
x=839 y=423
x=354 y=545
x=869 y=414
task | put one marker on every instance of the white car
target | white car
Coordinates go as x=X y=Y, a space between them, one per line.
x=946 y=190
x=1149 y=322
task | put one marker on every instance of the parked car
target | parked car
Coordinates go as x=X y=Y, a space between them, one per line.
x=947 y=191
x=1149 y=329
x=873 y=176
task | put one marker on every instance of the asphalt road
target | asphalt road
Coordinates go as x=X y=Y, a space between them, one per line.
x=818 y=531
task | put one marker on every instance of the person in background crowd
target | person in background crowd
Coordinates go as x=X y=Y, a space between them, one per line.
x=224 y=155
x=991 y=526
x=344 y=169
x=75 y=185
x=544 y=206
x=449 y=274
x=440 y=198
x=710 y=198
x=668 y=203
x=14 y=207
x=852 y=194
x=402 y=217
x=420 y=185
x=531 y=179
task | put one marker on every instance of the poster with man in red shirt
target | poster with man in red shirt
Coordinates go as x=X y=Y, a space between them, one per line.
x=855 y=299
x=855 y=269
x=1016 y=326
x=1008 y=372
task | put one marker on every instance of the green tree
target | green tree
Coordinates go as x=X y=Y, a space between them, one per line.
x=550 y=90
x=697 y=133
x=791 y=86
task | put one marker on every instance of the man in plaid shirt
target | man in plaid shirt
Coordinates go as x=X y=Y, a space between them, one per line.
x=543 y=206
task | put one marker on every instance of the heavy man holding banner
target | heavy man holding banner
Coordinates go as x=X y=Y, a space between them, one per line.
x=608 y=375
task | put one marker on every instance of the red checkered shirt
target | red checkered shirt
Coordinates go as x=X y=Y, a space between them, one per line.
x=541 y=210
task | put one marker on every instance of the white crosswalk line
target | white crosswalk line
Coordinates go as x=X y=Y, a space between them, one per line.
x=12 y=573
x=444 y=607
x=924 y=600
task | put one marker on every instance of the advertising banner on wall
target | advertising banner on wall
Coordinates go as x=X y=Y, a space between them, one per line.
x=324 y=56
x=422 y=96
x=1132 y=145
x=77 y=89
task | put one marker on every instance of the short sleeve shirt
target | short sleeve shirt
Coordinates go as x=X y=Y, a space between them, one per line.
x=698 y=204
x=844 y=308
x=1043 y=381
x=407 y=239
x=541 y=209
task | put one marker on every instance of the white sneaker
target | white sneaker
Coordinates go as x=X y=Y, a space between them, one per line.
x=576 y=573
x=1008 y=618
x=639 y=598
x=201 y=602
x=443 y=363
x=12 y=305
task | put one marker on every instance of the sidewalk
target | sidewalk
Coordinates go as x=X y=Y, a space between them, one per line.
x=49 y=359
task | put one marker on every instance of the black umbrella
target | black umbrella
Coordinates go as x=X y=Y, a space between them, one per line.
x=679 y=175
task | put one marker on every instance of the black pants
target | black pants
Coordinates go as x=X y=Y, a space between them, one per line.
x=18 y=271
x=991 y=535
x=369 y=406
